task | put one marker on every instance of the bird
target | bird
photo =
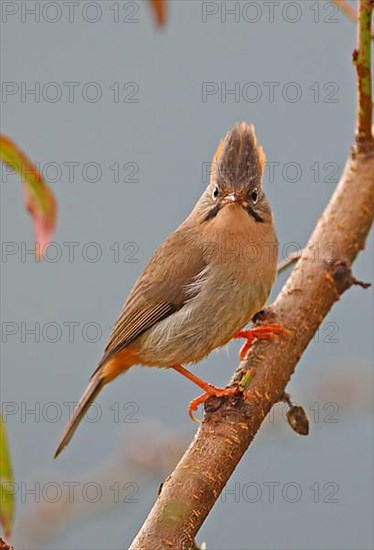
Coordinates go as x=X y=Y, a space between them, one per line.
x=204 y=283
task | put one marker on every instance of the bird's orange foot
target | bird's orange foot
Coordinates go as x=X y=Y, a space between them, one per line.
x=263 y=332
x=211 y=391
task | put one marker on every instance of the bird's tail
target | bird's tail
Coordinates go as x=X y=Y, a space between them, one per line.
x=94 y=387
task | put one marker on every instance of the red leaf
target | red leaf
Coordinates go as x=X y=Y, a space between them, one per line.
x=159 y=10
x=39 y=200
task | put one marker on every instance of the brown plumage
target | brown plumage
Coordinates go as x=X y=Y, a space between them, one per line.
x=205 y=282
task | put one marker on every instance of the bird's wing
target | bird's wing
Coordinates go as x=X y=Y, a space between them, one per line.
x=132 y=324
x=162 y=289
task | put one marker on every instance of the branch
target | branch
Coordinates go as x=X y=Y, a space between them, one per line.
x=362 y=60
x=292 y=258
x=321 y=276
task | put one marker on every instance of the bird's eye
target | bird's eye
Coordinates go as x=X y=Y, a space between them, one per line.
x=254 y=195
x=215 y=192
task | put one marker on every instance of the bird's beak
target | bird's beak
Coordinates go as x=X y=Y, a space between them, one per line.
x=233 y=198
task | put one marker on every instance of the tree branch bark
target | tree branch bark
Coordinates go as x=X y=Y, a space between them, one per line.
x=362 y=59
x=320 y=277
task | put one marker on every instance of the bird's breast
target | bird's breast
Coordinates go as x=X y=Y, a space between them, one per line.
x=245 y=249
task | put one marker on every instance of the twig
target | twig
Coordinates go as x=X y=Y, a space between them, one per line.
x=230 y=424
x=362 y=60
x=292 y=258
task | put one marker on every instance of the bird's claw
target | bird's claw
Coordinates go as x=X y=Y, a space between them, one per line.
x=213 y=392
x=263 y=332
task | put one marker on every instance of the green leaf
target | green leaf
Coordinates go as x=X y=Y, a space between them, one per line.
x=7 y=500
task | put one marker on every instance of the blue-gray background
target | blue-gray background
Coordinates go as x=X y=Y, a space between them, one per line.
x=169 y=133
